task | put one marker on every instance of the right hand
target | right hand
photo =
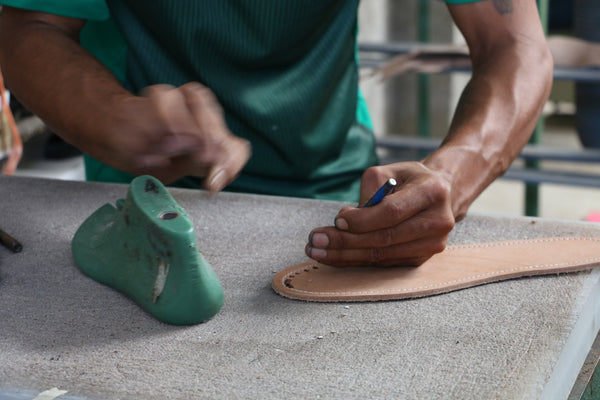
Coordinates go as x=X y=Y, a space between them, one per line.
x=171 y=132
x=167 y=132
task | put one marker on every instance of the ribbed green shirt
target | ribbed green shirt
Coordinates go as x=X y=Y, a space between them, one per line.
x=285 y=73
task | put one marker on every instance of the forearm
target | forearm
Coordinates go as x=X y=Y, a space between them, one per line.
x=47 y=69
x=494 y=119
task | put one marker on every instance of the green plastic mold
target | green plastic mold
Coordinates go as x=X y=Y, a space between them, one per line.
x=146 y=248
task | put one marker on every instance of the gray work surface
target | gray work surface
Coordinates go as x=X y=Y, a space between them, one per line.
x=518 y=339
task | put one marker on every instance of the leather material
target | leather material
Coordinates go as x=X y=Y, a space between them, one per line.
x=457 y=267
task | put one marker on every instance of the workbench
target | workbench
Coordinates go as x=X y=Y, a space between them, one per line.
x=518 y=339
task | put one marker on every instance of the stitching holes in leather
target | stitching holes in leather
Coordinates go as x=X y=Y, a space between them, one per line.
x=287 y=280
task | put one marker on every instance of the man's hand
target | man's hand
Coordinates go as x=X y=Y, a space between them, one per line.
x=167 y=132
x=497 y=112
x=172 y=132
x=406 y=228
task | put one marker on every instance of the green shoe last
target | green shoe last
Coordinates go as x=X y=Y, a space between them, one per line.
x=146 y=248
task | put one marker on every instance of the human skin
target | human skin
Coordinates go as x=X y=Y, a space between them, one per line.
x=172 y=132
x=168 y=132
x=497 y=112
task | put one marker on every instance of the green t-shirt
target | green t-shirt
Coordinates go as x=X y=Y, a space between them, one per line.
x=285 y=73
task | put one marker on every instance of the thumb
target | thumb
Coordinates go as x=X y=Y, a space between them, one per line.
x=235 y=153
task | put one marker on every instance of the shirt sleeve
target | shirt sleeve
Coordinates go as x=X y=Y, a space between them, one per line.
x=84 y=9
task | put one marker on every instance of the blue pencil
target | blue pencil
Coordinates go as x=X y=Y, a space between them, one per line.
x=387 y=188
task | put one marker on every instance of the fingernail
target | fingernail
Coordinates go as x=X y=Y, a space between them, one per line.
x=341 y=224
x=317 y=254
x=319 y=240
x=217 y=182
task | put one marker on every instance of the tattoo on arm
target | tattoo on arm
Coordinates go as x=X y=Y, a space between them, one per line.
x=503 y=6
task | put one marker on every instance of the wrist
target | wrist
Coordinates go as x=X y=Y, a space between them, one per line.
x=467 y=173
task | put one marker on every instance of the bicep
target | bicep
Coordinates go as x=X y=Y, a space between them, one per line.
x=492 y=25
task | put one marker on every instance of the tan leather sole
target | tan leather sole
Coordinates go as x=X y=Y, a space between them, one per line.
x=457 y=267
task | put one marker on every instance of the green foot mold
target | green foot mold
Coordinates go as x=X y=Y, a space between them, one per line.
x=146 y=248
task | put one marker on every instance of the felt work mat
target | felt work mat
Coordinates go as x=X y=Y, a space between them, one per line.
x=457 y=267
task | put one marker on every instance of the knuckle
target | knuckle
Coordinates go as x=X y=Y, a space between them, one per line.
x=446 y=224
x=385 y=237
x=437 y=224
x=337 y=240
x=438 y=246
x=377 y=255
x=244 y=147
x=417 y=261
x=206 y=98
x=372 y=173
x=439 y=191
x=157 y=90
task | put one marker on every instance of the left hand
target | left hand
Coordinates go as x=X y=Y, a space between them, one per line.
x=406 y=228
